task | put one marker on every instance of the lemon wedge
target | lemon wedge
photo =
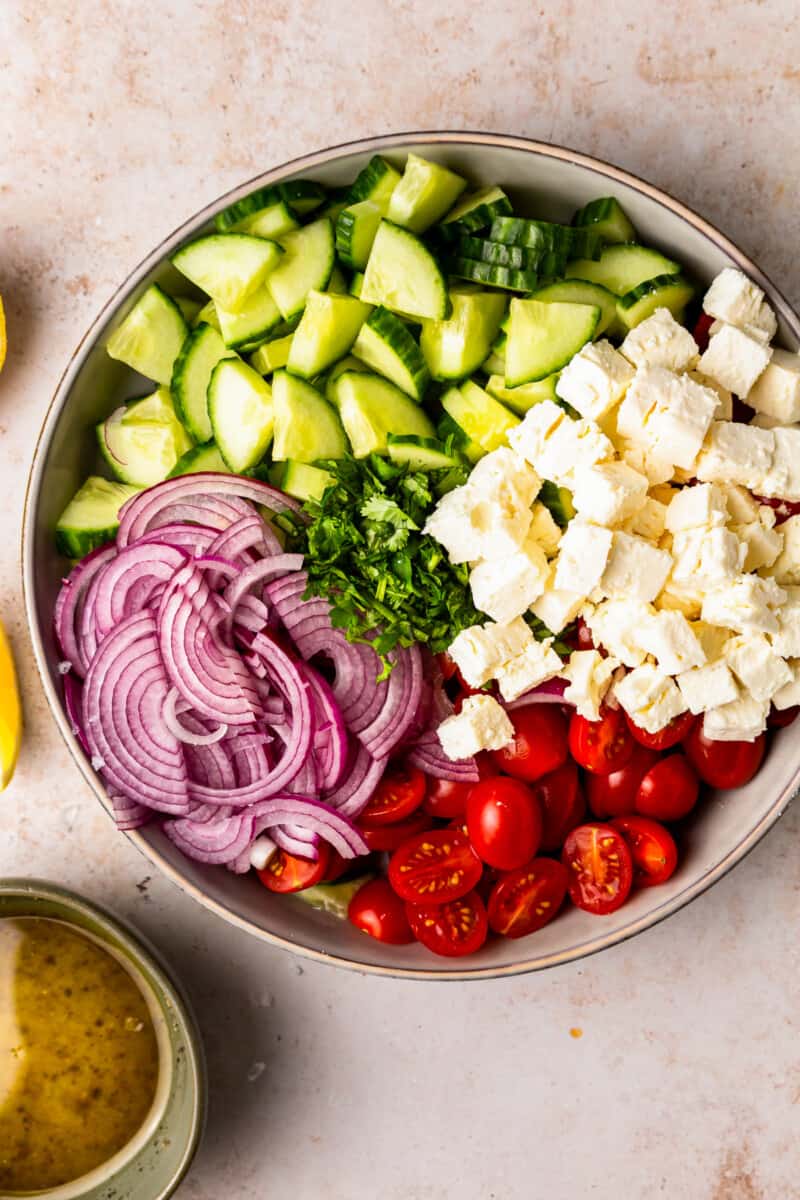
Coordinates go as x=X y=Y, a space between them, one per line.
x=10 y=713
x=2 y=334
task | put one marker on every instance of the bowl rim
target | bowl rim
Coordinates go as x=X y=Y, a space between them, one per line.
x=307 y=162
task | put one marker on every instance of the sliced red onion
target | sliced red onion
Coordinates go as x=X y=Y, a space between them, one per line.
x=257 y=573
x=73 y=703
x=363 y=775
x=549 y=692
x=247 y=534
x=427 y=755
x=331 y=745
x=301 y=847
x=181 y=732
x=195 y=538
x=136 y=569
x=219 y=840
x=70 y=603
x=128 y=814
x=332 y=826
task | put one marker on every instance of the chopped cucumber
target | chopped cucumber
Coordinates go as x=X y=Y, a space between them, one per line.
x=385 y=344
x=522 y=398
x=371 y=408
x=495 y=364
x=258 y=317
x=544 y=262
x=200 y=353
x=456 y=347
x=303 y=481
x=141 y=442
x=302 y=195
x=622 y=268
x=333 y=898
x=307 y=263
x=200 y=459
x=242 y=413
x=607 y=217
x=375 y=182
x=403 y=275
x=208 y=316
x=482 y=418
x=263 y=213
x=356 y=284
x=190 y=308
x=420 y=453
x=544 y=236
x=150 y=337
x=580 y=291
x=328 y=327
x=511 y=278
x=230 y=267
x=425 y=193
x=271 y=356
x=450 y=431
x=543 y=337
x=665 y=291
x=559 y=501
x=475 y=211
x=337 y=283
x=306 y=426
x=356 y=227
x=92 y=516
x=348 y=363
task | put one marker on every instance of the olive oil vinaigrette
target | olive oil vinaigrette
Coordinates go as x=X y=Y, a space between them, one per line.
x=79 y=1056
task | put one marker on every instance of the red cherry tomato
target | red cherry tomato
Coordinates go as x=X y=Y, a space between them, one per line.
x=561 y=803
x=723 y=764
x=652 y=847
x=389 y=837
x=452 y=929
x=667 y=737
x=434 y=867
x=539 y=745
x=504 y=822
x=445 y=798
x=526 y=899
x=397 y=796
x=779 y=718
x=669 y=790
x=702 y=329
x=601 y=746
x=288 y=873
x=600 y=868
x=615 y=794
x=378 y=911
x=336 y=866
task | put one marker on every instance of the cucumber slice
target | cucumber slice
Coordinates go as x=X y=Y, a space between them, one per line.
x=327 y=330
x=337 y=283
x=356 y=227
x=403 y=275
x=92 y=516
x=521 y=399
x=348 y=363
x=546 y=262
x=425 y=193
x=375 y=182
x=420 y=453
x=356 y=284
x=242 y=413
x=450 y=431
x=665 y=291
x=475 y=211
x=230 y=267
x=264 y=214
x=303 y=481
x=306 y=426
x=510 y=278
x=258 y=317
x=200 y=459
x=302 y=195
x=495 y=364
x=271 y=356
x=482 y=418
x=579 y=291
x=333 y=898
x=559 y=501
x=543 y=337
x=622 y=268
x=142 y=441
x=371 y=408
x=456 y=347
x=607 y=217
x=544 y=236
x=150 y=337
x=307 y=263
x=190 y=308
x=385 y=344
x=200 y=353
x=208 y=316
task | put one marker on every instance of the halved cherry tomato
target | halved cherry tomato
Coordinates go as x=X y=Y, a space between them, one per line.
x=445 y=798
x=389 y=837
x=652 y=847
x=378 y=911
x=615 y=794
x=434 y=867
x=724 y=764
x=336 y=866
x=526 y=899
x=397 y=796
x=504 y=822
x=601 y=746
x=779 y=718
x=288 y=873
x=669 y=790
x=702 y=329
x=452 y=929
x=600 y=868
x=561 y=802
x=667 y=737
x=539 y=745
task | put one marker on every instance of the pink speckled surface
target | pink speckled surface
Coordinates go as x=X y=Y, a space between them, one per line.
x=117 y=122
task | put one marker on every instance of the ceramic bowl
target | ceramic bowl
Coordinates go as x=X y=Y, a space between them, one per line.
x=550 y=182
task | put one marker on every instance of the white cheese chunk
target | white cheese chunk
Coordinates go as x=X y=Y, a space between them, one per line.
x=482 y=724
x=506 y=587
x=741 y=720
x=645 y=462
x=680 y=597
x=589 y=676
x=697 y=507
x=595 y=379
x=582 y=557
x=635 y=568
x=763 y=544
x=724 y=398
x=502 y=471
x=650 y=698
x=786 y=567
x=789 y=694
x=537 y=663
x=755 y=664
x=777 y=392
x=557 y=607
x=736 y=300
x=659 y=341
x=481 y=650
x=736 y=453
x=530 y=436
x=744 y=605
x=742 y=508
x=706 y=558
x=572 y=446
x=709 y=686
x=786 y=641
x=487 y=521
x=713 y=638
x=735 y=360
x=544 y=530
x=451 y=524
x=670 y=639
x=649 y=520
x=608 y=492
x=667 y=414
x=782 y=480
x=261 y=851
x=615 y=625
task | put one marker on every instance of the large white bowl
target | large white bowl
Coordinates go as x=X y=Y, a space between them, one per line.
x=547 y=181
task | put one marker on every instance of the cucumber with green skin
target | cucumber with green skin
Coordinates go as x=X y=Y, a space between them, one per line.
x=580 y=291
x=92 y=516
x=521 y=399
x=255 y=321
x=308 y=262
x=420 y=453
x=371 y=409
x=271 y=356
x=348 y=363
x=509 y=278
x=403 y=275
x=607 y=217
x=559 y=502
x=424 y=194
x=299 y=196
x=356 y=227
x=328 y=327
x=546 y=236
x=229 y=267
x=665 y=291
x=307 y=427
x=304 y=481
x=375 y=182
x=200 y=459
x=449 y=431
x=142 y=441
x=621 y=268
x=150 y=337
x=190 y=308
x=457 y=346
x=475 y=211
x=200 y=353
x=386 y=344
x=544 y=336
x=484 y=420
x=544 y=262
x=242 y=413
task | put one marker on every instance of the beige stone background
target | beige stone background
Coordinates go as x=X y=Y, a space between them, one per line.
x=117 y=120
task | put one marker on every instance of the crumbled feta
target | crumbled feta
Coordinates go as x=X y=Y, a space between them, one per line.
x=744 y=605
x=451 y=524
x=595 y=379
x=783 y=477
x=615 y=624
x=680 y=597
x=571 y=446
x=786 y=641
x=589 y=676
x=608 y=492
x=557 y=607
x=786 y=567
x=697 y=507
x=502 y=470
x=706 y=558
x=736 y=300
x=735 y=360
x=530 y=436
x=712 y=638
x=659 y=341
x=741 y=720
x=670 y=639
x=755 y=664
x=635 y=569
x=544 y=529
x=777 y=392
x=482 y=724
x=639 y=458
x=742 y=508
x=763 y=544
x=537 y=663
x=736 y=453
x=709 y=686
x=582 y=556
x=640 y=403
x=650 y=698
x=649 y=520
x=667 y=414
x=789 y=694
x=724 y=398
x=481 y=650
x=506 y=587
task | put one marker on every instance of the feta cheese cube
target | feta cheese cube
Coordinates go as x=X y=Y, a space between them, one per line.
x=742 y=508
x=530 y=436
x=777 y=392
x=744 y=605
x=572 y=446
x=697 y=507
x=595 y=379
x=681 y=420
x=706 y=558
x=755 y=664
x=537 y=663
x=736 y=453
x=589 y=676
x=635 y=569
x=481 y=650
x=783 y=477
x=482 y=724
x=712 y=638
x=680 y=597
x=649 y=521
x=451 y=524
x=582 y=557
x=544 y=529
x=615 y=625
x=735 y=299
x=504 y=470
x=786 y=567
x=644 y=462
x=506 y=587
x=789 y=694
x=735 y=360
x=608 y=492
x=724 y=398
x=557 y=607
x=706 y=687
x=786 y=641
x=641 y=399
x=763 y=545
x=741 y=720
x=650 y=698
x=659 y=341
x=671 y=640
